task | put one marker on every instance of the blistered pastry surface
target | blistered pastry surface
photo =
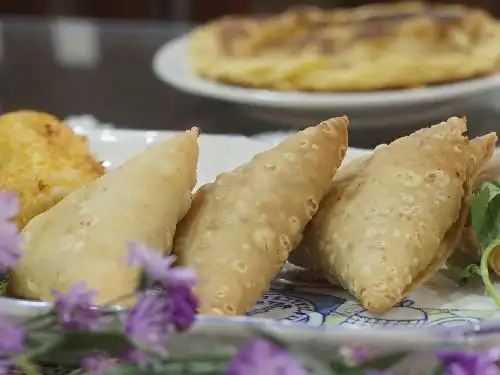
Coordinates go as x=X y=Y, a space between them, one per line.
x=383 y=223
x=241 y=228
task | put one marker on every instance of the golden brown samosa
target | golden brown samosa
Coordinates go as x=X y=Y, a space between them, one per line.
x=84 y=237
x=392 y=219
x=241 y=228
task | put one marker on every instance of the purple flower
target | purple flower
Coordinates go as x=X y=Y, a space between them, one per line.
x=5 y=367
x=183 y=305
x=458 y=362
x=12 y=339
x=378 y=372
x=149 y=323
x=10 y=239
x=141 y=358
x=9 y=205
x=356 y=354
x=262 y=357
x=159 y=268
x=97 y=364
x=75 y=310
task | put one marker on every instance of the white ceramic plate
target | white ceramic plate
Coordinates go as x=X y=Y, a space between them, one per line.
x=384 y=108
x=296 y=312
x=438 y=303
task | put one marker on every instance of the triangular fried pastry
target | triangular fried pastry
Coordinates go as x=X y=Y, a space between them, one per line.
x=241 y=228
x=84 y=237
x=392 y=219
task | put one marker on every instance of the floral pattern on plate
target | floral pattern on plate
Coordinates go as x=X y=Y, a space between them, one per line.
x=331 y=306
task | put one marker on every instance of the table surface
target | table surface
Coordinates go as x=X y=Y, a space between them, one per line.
x=70 y=66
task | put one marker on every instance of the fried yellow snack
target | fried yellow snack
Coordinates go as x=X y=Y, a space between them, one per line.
x=84 y=237
x=42 y=160
x=391 y=220
x=241 y=228
x=391 y=45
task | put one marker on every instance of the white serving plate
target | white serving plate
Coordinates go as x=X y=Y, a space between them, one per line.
x=294 y=109
x=313 y=315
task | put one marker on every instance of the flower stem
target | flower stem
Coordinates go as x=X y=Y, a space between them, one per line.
x=25 y=365
x=41 y=317
x=41 y=322
x=43 y=348
x=118 y=299
x=485 y=273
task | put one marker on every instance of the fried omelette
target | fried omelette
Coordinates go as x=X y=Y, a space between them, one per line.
x=371 y=47
x=42 y=160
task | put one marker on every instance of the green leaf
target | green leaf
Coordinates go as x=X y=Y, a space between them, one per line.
x=26 y=367
x=3 y=286
x=461 y=273
x=108 y=341
x=194 y=367
x=485 y=213
x=209 y=366
x=312 y=364
x=470 y=271
x=144 y=282
x=42 y=321
x=439 y=370
x=37 y=347
x=125 y=369
x=346 y=371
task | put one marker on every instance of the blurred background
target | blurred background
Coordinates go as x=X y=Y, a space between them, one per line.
x=94 y=56
x=192 y=10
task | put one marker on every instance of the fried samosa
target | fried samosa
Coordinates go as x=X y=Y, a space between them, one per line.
x=42 y=160
x=392 y=219
x=241 y=229
x=84 y=237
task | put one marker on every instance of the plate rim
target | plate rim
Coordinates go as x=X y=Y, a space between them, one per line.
x=430 y=333
x=173 y=54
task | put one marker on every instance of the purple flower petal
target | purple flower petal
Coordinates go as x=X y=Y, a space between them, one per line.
x=97 y=364
x=12 y=341
x=183 y=305
x=12 y=338
x=75 y=309
x=262 y=357
x=154 y=263
x=10 y=246
x=181 y=276
x=6 y=367
x=355 y=354
x=460 y=362
x=159 y=268
x=149 y=322
x=10 y=239
x=9 y=205
x=142 y=359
